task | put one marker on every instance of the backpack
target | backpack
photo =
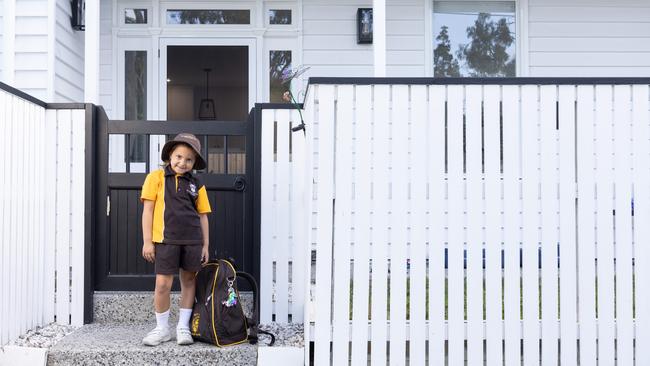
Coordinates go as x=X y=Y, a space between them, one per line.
x=217 y=314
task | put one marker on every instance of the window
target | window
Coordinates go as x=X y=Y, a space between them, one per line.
x=279 y=16
x=135 y=16
x=279 y=75
x=211 y=16
x=474 y=38
x=135 y=100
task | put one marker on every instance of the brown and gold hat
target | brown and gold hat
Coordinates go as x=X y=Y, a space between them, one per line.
x=187 y=139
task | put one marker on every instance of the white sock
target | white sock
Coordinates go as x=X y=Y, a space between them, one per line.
x=162 y=320
x=184 y=318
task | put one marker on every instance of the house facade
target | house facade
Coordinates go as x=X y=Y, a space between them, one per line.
x=148 y=59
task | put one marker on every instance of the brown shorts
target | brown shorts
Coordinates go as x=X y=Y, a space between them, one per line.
x=170 y=257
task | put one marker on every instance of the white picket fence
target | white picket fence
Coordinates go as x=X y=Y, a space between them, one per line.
x=41 y=216
x=405 y=175
x=283 y=252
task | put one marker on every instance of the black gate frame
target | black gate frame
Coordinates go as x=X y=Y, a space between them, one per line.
x=104 y=127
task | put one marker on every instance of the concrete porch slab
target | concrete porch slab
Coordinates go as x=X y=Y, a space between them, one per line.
x=121 y=344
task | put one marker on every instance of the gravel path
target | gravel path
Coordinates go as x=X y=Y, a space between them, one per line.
x=44 y=337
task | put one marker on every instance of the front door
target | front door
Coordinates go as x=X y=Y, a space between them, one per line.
x=219 y=71
x=207 y=91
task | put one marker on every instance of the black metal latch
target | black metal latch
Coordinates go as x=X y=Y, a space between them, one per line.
x=239 y=184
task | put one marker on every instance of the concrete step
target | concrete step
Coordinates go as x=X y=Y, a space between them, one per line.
x=121 y=344
x=132 y=306
x=122 y=319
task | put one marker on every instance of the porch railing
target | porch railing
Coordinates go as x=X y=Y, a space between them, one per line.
x=448 y=215
x=42 y=214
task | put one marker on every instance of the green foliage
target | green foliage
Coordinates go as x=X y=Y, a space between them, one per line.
x=486 y=54
x=444 y=63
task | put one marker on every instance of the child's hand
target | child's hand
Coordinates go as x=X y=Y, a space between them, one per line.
x=148 y=252
x=205 y=255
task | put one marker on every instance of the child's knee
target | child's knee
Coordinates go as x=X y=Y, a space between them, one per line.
x=187 y=278
x=164 y=283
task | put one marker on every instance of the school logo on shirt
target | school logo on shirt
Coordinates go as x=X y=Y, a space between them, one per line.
x=192 y=190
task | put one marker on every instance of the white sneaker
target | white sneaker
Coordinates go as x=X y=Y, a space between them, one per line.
x=183 y=336
x=157 y=336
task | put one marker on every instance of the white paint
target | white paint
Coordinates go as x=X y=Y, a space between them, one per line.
x=8 y=41
x=587 y=38
x=379 y=37
x=91 y=52
x=68 y=83
x=42 y=237
x=287 y=356
x=16 y=355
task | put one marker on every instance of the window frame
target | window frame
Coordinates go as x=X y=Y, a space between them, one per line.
x=521 y=29
x=250 y=6
x=281 y=5
x=136 y=5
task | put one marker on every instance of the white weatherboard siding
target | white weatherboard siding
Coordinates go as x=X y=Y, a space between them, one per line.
x=589 y=38
x=106 y=57
x=69 y=53
x=330 y=39
x=30 y=49
x=1 y=39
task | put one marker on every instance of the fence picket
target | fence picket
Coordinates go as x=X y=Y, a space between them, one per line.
x=305 y=220
x=455 y=243
x=5 y=284
x=77 y=215
x=299 y=244
x=641 y=173
x=266 y=217
x=282 y=221
x=604 y=220
x=324 y=198
x=398 y=224
x=62 y=241
x=474 y=224
x=417 y=331
x=512 y=222
x=585 y=134
x=567 y=223
x=623 y=224
x=437 y=207
x=19 y=227
x=342 y=224
x=28 y=153
x=14 y=293
x=379 y=239
x=530 y=222
x=50 y=214
x=493 y=224
x=362 y=187
x=40 y=143
x=549 y=223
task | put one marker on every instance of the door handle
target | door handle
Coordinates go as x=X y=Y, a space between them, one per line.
x=239 y=184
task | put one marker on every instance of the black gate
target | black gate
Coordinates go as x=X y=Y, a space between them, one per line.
x=229 y=149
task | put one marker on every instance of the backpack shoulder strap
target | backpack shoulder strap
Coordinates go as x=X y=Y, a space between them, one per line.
x=253 y=323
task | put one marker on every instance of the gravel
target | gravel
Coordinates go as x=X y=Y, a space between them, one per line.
x=44 y=337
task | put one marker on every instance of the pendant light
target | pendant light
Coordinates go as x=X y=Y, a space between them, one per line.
x=206 y=108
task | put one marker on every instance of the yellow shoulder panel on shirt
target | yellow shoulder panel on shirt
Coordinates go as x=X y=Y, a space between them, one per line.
x=202 y=203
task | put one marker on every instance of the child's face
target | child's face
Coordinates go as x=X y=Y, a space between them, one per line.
x=182 y=159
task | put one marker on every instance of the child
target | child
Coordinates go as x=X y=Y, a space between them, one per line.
x=175 y=232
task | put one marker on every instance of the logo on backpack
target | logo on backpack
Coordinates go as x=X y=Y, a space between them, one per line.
x=195 y=324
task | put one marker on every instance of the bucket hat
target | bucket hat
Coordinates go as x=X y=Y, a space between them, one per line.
x=191 y=141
